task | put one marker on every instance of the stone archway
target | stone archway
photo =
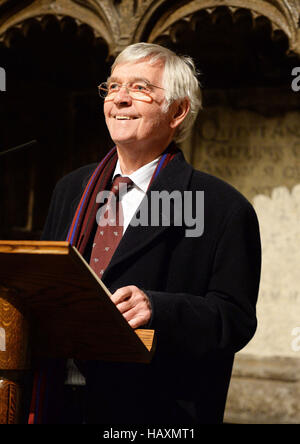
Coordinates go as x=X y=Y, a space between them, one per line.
x=122 y=22
x=88 y=13
x=161 y=16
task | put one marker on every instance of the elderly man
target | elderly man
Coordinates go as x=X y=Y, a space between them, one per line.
x=197 y=289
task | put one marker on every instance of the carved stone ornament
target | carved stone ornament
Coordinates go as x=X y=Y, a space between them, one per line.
x=122 y=22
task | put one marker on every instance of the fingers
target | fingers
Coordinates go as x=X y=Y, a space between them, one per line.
x=134 y=305
x=137 y=316
x=122 y=293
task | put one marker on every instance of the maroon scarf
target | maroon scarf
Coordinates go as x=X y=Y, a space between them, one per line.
x=85 y=215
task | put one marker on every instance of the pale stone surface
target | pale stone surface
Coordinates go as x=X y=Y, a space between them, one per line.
x=278 y=308
x=264 y=391
x=265 y=387
x=255 y=401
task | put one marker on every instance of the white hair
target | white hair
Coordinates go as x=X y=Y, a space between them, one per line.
x=179 y=79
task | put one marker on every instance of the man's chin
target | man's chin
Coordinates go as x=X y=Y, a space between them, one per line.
x=126 y=144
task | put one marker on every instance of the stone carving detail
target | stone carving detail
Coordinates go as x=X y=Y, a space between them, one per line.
x=282 y=16
x=121 y=22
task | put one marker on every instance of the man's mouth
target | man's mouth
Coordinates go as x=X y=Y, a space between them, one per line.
x=125 y=117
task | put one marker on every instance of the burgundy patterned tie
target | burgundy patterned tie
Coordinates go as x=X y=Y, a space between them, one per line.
x=110 y=226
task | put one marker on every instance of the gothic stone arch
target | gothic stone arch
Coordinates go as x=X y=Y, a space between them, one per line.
x=121 y=22
x=283 y=15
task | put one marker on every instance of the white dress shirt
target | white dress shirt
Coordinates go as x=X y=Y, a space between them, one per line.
x=141 y=179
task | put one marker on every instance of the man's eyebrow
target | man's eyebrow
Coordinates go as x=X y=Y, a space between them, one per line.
x=131 y=79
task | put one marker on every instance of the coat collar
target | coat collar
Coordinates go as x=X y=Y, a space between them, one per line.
x=174 y=177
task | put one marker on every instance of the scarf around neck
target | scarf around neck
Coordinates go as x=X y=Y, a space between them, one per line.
x=85 y=215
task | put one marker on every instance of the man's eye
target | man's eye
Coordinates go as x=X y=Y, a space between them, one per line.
x=113 y=86
x=140 y=87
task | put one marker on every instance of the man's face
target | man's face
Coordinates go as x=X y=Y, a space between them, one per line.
x=148 y=124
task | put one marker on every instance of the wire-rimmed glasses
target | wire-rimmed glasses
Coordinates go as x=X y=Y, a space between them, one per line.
x=138 y=90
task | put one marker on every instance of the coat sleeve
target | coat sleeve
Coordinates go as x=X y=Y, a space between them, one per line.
x=49 y=227
x=64 y=201
x=58 y=217
x=225 y=317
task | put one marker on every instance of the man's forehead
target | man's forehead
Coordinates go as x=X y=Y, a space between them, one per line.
x=130 y=79
x=139 y=69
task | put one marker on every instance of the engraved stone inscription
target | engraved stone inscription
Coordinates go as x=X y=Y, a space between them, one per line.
x=254 y=153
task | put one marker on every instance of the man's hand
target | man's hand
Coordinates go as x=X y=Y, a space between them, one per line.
x=134 y=305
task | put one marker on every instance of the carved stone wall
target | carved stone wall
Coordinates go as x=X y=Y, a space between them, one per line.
x=121 y=22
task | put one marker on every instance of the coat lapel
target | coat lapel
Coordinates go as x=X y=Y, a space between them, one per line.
x=174 y=177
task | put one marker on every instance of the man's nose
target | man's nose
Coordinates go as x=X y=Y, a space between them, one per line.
x=123 y=95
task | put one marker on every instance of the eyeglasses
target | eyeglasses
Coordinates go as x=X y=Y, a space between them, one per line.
x=138 y=90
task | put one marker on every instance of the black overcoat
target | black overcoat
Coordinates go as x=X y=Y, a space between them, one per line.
x=203 y=291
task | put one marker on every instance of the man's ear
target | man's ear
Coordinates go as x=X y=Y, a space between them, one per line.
x=180 y=111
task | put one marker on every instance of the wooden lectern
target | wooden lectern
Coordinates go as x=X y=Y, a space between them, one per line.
x=53 y=305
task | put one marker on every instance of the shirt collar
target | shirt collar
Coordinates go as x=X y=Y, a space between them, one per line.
x=141 y=177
